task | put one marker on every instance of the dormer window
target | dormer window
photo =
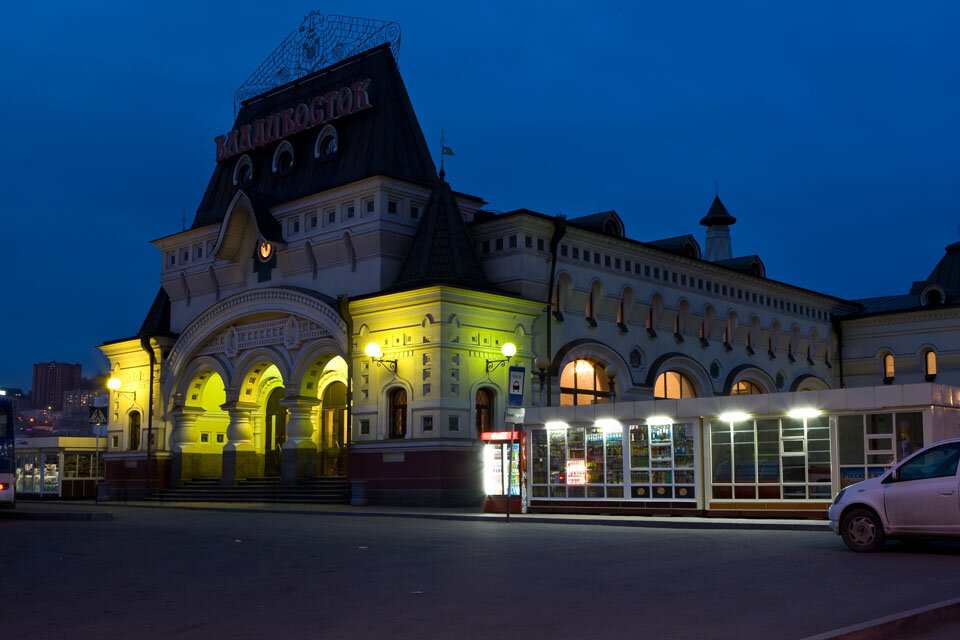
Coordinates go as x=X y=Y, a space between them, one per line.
x=243 y=172
x=283 y=158
x=326 y=144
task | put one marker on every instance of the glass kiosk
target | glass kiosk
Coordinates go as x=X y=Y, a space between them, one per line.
x=503 y=461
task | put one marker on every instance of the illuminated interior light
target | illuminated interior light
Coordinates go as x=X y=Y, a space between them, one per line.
x=583 y=367
x=608 y=424
x=734 y=416
x=373 y=350
x=657 y=420
x=556 y=424
x=508 y=349
x=113 y=384
x=804 y=413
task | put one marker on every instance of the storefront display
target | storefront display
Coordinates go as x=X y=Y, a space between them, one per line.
x=588 y=462
x=771 y=459
x=869 y=444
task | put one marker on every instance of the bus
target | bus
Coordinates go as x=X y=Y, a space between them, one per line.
x=7 y=461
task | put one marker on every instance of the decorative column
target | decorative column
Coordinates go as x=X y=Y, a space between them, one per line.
x=299 y=451
x=186 y=446
x=240 y=460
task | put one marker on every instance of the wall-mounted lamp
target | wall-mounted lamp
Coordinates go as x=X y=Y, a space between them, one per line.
x=734 y=416
x=373 y=351
x=509 y=350
x=114 y=385
x=804 y=413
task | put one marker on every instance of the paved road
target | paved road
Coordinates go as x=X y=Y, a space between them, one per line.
x=197 y=574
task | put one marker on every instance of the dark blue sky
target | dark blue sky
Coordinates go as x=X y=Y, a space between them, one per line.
x=830 y=127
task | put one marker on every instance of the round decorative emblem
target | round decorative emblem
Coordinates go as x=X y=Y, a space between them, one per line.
x=660 y=490
x=265 y=250
x=683 y=492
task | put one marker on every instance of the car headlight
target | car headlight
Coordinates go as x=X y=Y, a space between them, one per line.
x=839 y=495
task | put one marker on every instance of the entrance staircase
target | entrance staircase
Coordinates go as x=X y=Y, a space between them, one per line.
x=309 y=491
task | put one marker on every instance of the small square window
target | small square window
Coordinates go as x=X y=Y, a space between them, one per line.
x=586 y=255
x=350 y=211
x=646 y=270
x=414 y=212
x=674 y=277
x=699 y=283
x=392 y=206
x=739 y=294
x=426 y=423
x=606 y=261
x=295 y=225
x=528 y=242
x=210 y=246
x=636 y=268
x=220 y=438
x=513 y=242
x=115 y=442
x=626 y=265
x=486 y=246
x=656 y=272
x=184 y=256
x=666 y=276
x=724 y=290
x=596 y=258
x=616 y=263
x=539 y=244
x=575 y=253
x=331 y=216
x=683 y=280
x=563 y=250
x=499 y=244
x=365 y=427
x=368 y=206
x=453 y=423
x=204 y=438
x=198 y=251
x=313 y=221
x=171 y=259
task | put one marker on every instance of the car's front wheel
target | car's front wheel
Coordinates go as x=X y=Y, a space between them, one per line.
x=862 y=530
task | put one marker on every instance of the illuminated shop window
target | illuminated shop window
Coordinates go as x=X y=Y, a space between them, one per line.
x=398 y=413
x=745 y=388
x=930 y=364
x=584 y=382
x=673 y=385
x=484 y=409
x=770 y=459
x=888 y=368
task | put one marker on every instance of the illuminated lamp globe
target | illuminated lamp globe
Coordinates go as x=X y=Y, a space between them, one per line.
x=611 y=372
x=373 y=350
x=508 y=349
x=113 y=384
x=542 y=362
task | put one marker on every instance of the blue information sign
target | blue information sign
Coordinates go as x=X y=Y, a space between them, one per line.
x=515 y=387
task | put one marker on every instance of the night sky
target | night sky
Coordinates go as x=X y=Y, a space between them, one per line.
x=831 y=128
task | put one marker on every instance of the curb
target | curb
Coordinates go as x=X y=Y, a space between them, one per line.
x=498 y=518
x=76 y=516
x=898 y=625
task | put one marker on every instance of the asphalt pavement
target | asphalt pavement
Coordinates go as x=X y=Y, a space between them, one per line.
x=154 y=573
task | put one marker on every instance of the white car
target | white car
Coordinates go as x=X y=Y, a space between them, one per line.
x=917 y=499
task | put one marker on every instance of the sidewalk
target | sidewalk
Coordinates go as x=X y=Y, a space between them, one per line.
x=381 y=511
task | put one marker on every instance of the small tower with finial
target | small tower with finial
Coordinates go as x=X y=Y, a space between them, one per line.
x=717 y=221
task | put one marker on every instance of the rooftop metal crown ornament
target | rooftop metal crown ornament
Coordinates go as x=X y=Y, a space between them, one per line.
x=319 y=42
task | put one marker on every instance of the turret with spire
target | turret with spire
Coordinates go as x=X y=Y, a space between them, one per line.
x=718 y=221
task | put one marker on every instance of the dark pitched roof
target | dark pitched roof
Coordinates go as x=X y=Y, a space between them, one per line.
x=442 y=249
x=717 y=215
x=605 y=222
x=751 y=265
x=157 y=322
x=947 y=272
x=681 y=245
x=384 y=139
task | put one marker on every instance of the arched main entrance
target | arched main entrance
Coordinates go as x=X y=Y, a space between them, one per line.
x=333 y=431
x=274 y=432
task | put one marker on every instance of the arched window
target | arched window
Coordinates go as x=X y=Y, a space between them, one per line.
x=133 y=428
x=930 y=364
x=326 y=144
x=584 y=382
x=243 y=171
x=484 y=409
x=746 y=388
x=398 y=413
x=673 y=385
x=888 y=368
x=283 y=158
